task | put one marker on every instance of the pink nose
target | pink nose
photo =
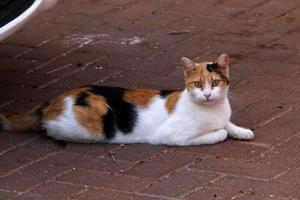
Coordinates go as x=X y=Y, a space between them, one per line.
x=207 y=96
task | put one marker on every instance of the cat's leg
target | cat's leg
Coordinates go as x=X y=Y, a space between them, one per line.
x=239 y=132
x=178 y=139
x=210 y=138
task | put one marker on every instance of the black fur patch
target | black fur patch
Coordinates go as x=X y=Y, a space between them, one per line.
x=165 y=93
x=81 y=99
x=1 y=126
x=212 y=67
x=109 y=127
x=122 y=115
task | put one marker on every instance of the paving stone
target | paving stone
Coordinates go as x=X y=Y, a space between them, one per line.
x=242 y=96
x=90 y=7
x=277 y=131
x=292 y=176
x=8 y=50
x=259 y=112
x=168 y=162
x=91 y=194
x=20 y=65
x=206 y=7
x=288 y=42
x=26 y=92
x=253 y=197
x=297 y=196
x=77 y=19
x=239 y=167
x=137 y=152
x=268 y=11
x=181 y=182
x=295 y=58
x=287 y=154
x=9 y=140
x=31 y=176
x=90 y=149
x=40 y=34
x=92 y=162
x=256 y=186
x=131 y=13
x=152 y=23
x=17 y=105
x=147 y=80
x=67 y=64
x=51 y=49
x=8 y=195
x=8 y=77
x=269 y=54
x=210 y=194
x=21 y=155
x=285 y=24
x=105 y=180
x=53 y=191
x=234 y=150
x=92 y=74
x=118 y=2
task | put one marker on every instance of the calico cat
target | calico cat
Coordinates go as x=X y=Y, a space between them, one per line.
x=199 y=114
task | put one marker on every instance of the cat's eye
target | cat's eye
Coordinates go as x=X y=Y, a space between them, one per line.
x=215 y=83
x=198 y=84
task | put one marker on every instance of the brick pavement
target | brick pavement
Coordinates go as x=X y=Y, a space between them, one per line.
x=135 y=43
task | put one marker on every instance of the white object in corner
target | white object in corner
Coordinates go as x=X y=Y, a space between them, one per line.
x=14 y=25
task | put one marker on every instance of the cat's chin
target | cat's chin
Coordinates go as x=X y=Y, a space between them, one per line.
x=205 y=102
x=208 y=102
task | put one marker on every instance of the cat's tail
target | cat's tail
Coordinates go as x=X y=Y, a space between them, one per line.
x=23 y=121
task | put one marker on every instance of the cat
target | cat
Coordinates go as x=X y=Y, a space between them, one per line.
x=199 y=114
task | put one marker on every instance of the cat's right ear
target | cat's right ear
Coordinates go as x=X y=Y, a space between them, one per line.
x=187 y=65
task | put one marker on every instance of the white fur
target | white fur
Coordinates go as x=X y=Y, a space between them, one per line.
x=194 y=121
x=66 y=127
x=148 y=120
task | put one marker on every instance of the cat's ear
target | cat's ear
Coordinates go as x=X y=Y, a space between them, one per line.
x=187 y=65
x=223 y=61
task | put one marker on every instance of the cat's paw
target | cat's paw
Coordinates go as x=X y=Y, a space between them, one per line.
x=243 y=134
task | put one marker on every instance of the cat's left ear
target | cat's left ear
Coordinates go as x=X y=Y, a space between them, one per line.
x=223 y=61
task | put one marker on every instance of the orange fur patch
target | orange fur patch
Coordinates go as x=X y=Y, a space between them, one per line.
x=201 y=74
x=172 y=100
x=90 y=116
x=56 y=105
x=140 y=97
x=26 y=120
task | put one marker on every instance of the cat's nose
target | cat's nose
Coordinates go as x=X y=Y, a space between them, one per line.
x=207 y=96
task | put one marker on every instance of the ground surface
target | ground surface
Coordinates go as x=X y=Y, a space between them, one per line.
x=139 y=44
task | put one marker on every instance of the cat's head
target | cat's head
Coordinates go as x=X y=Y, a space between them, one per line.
x=207 y=82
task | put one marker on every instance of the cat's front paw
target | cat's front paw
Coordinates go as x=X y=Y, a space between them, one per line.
x=243 y=134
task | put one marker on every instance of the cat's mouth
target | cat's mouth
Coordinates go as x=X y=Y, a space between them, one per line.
x=208 y=101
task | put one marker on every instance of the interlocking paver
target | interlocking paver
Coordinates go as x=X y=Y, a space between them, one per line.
x=105 y=180
x=52 y=191
x=210 y=194
x=239 y=167
x=180 y=183
x=91 y=194
x=168 y=160
x=237 y=184
x=139 y=44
